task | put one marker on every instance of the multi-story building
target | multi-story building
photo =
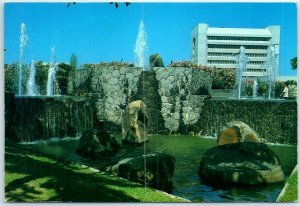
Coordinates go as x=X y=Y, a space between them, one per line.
x=219 y=47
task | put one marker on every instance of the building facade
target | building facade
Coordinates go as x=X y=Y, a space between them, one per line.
x=218 y=47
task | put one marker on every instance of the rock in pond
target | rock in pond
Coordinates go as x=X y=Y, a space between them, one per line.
x=236 y=131
x=156 y=169
x=244 y=163
x=95 y=143
x=134 y=123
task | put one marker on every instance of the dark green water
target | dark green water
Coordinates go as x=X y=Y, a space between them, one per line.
x=188 y=151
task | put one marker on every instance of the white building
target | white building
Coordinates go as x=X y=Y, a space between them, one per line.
x=219 y=46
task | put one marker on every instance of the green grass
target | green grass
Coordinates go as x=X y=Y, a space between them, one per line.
x=34 y=177
x=290 y=192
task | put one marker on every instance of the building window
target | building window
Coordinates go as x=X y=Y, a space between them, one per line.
x=238 y=38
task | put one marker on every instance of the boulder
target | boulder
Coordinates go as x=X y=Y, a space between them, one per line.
x=157 y=173
x=96 y=143
x=243 y=163
x=236 y=131
x=135 y=122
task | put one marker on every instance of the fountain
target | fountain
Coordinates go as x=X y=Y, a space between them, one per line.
x=141 y=47
x=272 y=69
x=240 y=68
x=51 y=74
x=255 y=88
x=32 y=89
x=23 y=44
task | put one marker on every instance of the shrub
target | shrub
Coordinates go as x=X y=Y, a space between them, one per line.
x=11 y=77
x=156 y=61
x=221 y=78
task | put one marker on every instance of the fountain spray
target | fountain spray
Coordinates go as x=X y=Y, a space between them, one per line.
x=141 y=47
x=23 y=44
x=241 y=66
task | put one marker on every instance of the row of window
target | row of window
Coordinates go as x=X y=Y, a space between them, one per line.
x=221 y=46
x=256 y=70
x=238 y=38
x=230 y=54
x=233 y=62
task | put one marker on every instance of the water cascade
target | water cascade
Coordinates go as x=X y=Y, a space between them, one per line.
x=31 y=85
x=23 y=44
x=240 y=68
x=272 y=69
x=141 y=47
x=51 y=74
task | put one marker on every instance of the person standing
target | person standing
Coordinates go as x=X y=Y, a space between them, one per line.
x=285 y=92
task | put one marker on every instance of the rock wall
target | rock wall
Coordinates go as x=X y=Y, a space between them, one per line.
x=174 y=96
x=36 y=118
x=113 y=88
x=273 y=120
x=182 y=92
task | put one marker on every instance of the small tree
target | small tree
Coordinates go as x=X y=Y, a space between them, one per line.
x=73 y=62
x=156 y=61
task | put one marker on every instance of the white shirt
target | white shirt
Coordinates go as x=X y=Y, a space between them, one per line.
x=286 y=92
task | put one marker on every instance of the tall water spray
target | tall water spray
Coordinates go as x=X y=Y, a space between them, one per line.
x=23 y=44
x=31 y=86
x=255 y=88
x=51 y=74
x=272 y=69
x=241 y=66
x=141 y=47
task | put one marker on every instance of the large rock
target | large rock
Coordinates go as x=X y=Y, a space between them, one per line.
x=236 y=131
x=244 y=163
x=134 y=123
x=95 y=143
x=156 y=169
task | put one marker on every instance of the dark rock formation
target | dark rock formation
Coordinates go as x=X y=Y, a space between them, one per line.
x=96 y=143
x=135 y=121
x=156 y=169
x=244 y=163
x=236 y=131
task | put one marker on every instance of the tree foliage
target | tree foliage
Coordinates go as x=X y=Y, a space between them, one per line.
x=294 y=63
x=73 y=62
x=156 y=61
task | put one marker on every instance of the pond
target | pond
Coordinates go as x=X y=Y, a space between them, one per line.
x=188 y=151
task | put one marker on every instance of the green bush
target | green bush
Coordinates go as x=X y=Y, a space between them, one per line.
x=221 y=78
x=11 y=77
x=156 y=61
x=62 y=75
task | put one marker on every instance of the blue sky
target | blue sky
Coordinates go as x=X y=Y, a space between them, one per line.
x=98 y=32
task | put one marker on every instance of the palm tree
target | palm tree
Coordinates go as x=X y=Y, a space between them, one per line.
x=294 y=63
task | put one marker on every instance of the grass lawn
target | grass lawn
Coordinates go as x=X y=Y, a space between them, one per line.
x=34 y=177
x=290 y=191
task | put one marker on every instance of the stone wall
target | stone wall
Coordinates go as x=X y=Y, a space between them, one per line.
x=182 y=92
x=274 y=120
x=112 y=87
x=174 y=96
x=36 y=118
